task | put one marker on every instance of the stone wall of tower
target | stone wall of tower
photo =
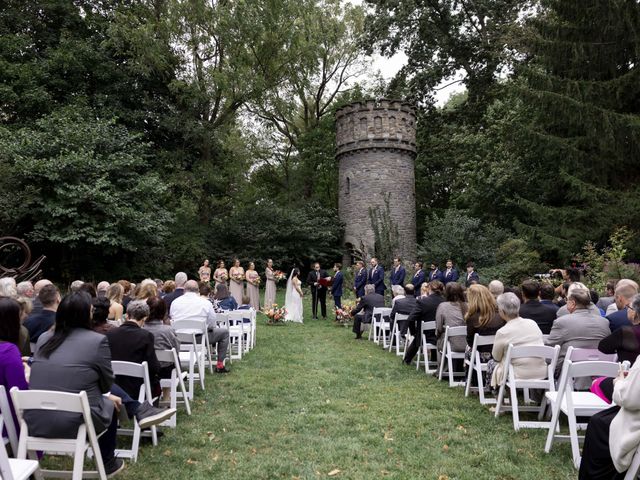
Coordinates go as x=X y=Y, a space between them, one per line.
x=376 y=150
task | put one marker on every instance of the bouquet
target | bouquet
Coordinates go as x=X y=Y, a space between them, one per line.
x=238 y=277
x=343 y=315
x=224 y=277
x=279 y=275
x=275 y=314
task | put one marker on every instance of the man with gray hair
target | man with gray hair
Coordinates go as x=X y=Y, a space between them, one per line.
x=564 y=310
x=101 y=289
x=75 y=286
x=579 y=328
x=191 y=306
x=25 y=289
x=367 y=303
x=180 y=279
x=496 y=287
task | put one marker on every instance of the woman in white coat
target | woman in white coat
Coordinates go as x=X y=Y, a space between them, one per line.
x=519 y=332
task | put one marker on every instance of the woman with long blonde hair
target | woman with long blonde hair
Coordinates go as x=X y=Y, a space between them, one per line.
x=115 y=292
x=482 y=317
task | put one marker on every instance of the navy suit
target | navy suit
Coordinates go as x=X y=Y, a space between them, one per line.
x=336 y=288
x=618 y=320
x=474 y=277
x=376 y=278
x=359 y=282
x=397 y=278
x=418 y=280
x=436 y=275
x=451 y=276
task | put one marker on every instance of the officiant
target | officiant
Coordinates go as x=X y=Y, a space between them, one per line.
x=318 y=291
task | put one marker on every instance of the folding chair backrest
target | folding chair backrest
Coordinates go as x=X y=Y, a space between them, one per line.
x=236 y=318
x=401 y=317
x=136 y=370
x=426 y=326
x=222 y=319
x=482 y=340
x=377 y=312
x=592 y=369
x=456 y=331
x=534 y=351
x=166 y=356
x=190 y=324
x=589 y=354
x=5 y=468
x=5 y=411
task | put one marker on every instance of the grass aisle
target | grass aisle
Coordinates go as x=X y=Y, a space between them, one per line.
x=310 y=401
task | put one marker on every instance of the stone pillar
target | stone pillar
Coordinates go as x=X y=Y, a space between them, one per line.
x=376 y=151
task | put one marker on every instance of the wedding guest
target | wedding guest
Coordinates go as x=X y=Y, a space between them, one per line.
x=424 y=290
x=168 y=287
x=418 y=278
x=164 y=336
x=367 y=303
x=147 y=290
x=318 y=291
x=397 y=273
x=450 y=313
x=625 y=281
x=270 y=285
x=75 y=286
x=482 y=317
x=403 y=306
x=435 y=274
x=518 y=332
x=625 y=341
x=204 y=272
x=26 y=307
x=623 y=295
x=609 y=296
x=205 y=292
x=115 y=295
x=397 y=292
x=424 y=311
x=224 y=301
x=101 y=289
x=100 y=315
x=547 y=294
x=376 y=276
x=159 y=286
x=221 y=275
x=451 y=273
x=360 y=279
x=39 y=285
x=127 y=292
x=253 y=286
x=564 y=310
x=237 y=281
x=533 y=309
x=8 y=287
x=472 y=276
x=39 y=323
x=336 y=286
x=496 y=287
x=25 y=289
x=246 y=303
x=180 y=279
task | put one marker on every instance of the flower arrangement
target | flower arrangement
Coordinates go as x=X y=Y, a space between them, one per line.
x=343 y=315
x=238 y=277
x=279 y=275
x=224 y=277
x=275 y=314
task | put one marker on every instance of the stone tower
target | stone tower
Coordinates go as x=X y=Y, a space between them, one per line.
x=376 y=147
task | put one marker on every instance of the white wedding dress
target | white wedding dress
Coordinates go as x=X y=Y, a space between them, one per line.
x=293 y=302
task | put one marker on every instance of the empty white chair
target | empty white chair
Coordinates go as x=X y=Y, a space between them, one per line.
x=15 y=469
x=426 y=347
x=5 y=411
x=377 y=319
x=475 y=365
x=550 y=356
x=396 y=337
x=448 y=355
x=86 y=438
x=141 y=371
x=175 y=384
x=576 y=404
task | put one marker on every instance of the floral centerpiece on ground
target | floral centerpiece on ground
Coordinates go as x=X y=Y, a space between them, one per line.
x=343 y=315
x=275 y=314
x=279 y=275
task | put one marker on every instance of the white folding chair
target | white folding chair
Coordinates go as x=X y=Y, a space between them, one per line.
x=199 y=327
x=589 y=354
x=254 y=327
x=376 y=320
x=475 y=365
x=238 y=317
x=396 y=337
x=5 y=411
x=550 y=356
x=188 y=360
x=426 y=347
x=86 y=438
x=15 y=469
x=448 y=355
x=384 y=327
x=576 y=404
x=141 y=371
x=175 y=383
x=236 y=335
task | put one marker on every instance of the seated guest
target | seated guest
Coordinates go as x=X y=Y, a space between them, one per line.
x=39 y=285
x=75 y=359
x=38 y=323
x=578 y=286
x=594 y=299
x=127 y=294
x=397 y=291
x=74 y=287
x=613 y=435
x=131 y=343
x=609 y=296
x=482 y=317
x=518 y=332
x=224 y=301
x=246 y=305
x=614 y=307
x=164 y=336
x=403 y=306
x=580 y=328
x=624 y=294
x=101 y=289
x=100 y=314
x=89 y=288
x=12 y=370
x=424 y=311
x=204 y=289
x=193 y=307
x=25 y=289
x=168 y=287
x=451 y=313
x=115 y=295
x=367 y=303
x=625 y=341
x=496 y=287
x=547 y=294
x=148 y=289
x=26 y=307
x=424 y=290
x=180 y=279
x=533 y=309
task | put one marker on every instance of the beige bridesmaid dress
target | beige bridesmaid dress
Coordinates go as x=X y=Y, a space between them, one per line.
x=269 y=288
x=236 y=289
x=253 y=291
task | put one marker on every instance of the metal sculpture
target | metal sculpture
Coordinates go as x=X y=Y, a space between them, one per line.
x=25 y=271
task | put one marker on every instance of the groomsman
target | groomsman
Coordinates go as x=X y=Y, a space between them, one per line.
x=336 y=286
x=360 y=280
x=418 y=279
x=398 y=273
x=451 y=273
x=376 y=277
x=472 y=275
x=318 y=292
x=435 y=274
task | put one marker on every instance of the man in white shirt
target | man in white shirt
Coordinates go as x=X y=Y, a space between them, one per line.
x=191 y=306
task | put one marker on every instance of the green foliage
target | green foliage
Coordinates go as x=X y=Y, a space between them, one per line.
x=385 y=233
x=517 y=261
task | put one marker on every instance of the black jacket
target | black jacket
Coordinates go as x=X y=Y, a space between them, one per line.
x=539 y=313
x=403 y=306
x=425 y=311
x=367 y=304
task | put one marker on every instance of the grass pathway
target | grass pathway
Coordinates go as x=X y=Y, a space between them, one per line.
x=310 y=402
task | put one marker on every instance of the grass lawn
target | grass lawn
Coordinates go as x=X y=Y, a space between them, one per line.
x=311 y=402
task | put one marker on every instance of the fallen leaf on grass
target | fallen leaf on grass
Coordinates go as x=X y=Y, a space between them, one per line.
x=388 y=437
x=443 y=477
x=167 y=453
x=445 y=448
x=333 y=472
x=192 y=462
x=462 y=429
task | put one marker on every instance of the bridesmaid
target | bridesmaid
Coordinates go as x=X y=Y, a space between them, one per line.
x=270 y=286
x=205 y=272
x=236 y=286
x=221 y=275
x=253 y=286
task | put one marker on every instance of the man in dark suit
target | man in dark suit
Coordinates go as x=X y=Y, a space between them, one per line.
x=403 y=306
x=547 y=294
x=398 y=272
x=451 y=273
x=472 y=275
x=418 y=279
x=435 y=274
x=180 y=279
x=533 y=309
x=623 y=295
x=336 y=286
x=367 y=303
x=318 y=292
x=39 y=323
x=360 y=279
x=424 y=311
x=376 y=276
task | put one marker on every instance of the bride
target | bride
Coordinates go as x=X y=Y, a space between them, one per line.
x=293 y=298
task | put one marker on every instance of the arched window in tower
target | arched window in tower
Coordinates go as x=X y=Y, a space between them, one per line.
x=348 y=186
x=377 y=125
x=363 y=127
x=392 y=125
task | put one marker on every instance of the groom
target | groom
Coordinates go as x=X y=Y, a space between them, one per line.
x=318 y=292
